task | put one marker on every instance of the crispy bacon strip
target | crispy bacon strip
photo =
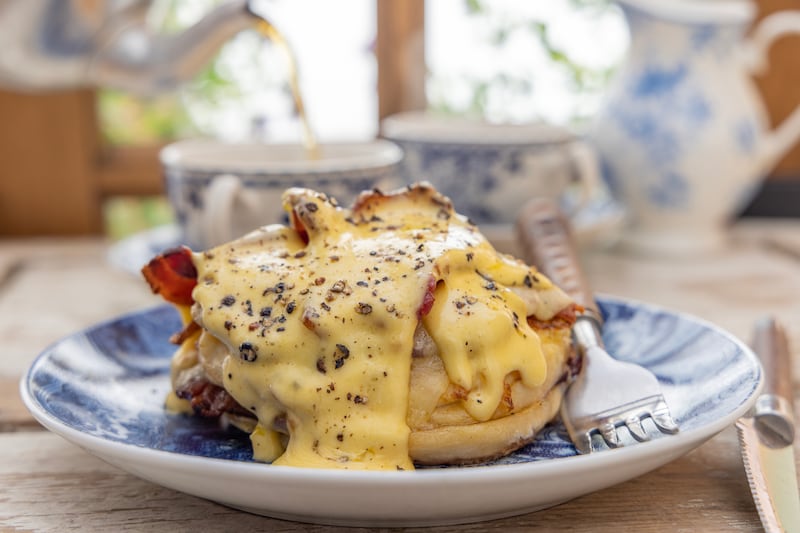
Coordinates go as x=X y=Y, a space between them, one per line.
x=297 y=224
x=428 y=298
x=172 y=275
x=563 y=319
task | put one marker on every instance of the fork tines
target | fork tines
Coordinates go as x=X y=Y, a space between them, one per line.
x=633 y=416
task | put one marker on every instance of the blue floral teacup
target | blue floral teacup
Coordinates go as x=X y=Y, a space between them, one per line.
x=490 y=170
x=221 y=191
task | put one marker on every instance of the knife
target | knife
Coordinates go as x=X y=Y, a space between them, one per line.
x=766 y=435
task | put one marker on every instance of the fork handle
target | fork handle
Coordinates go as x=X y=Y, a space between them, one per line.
x=546 y=241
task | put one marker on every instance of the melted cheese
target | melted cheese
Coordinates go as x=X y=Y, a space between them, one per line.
x=320 y=333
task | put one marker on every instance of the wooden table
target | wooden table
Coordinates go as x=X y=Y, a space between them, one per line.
x=50 y=288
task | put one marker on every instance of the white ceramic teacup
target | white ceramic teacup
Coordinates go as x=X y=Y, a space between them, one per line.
x=490 y=170
x=220 y=191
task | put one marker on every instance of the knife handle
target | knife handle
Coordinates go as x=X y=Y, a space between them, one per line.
x=772 y=347
x=773 y=409
x=546 y=241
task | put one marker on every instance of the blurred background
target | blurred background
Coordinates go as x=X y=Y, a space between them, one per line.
x=85 y=160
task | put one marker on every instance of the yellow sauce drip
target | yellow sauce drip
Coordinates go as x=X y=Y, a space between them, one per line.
x=321 y=333
x=480 y=328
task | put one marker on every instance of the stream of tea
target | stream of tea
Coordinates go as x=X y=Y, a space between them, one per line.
x=268 y=31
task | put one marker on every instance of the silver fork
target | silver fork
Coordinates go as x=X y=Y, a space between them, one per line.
x=608 y=394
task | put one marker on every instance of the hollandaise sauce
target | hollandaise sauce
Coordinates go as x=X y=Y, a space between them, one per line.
x=319 y=320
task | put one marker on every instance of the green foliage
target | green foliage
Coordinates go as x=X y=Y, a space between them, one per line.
x=583 y=78
x=125 y=119
x=475 y=6
x=125 y=216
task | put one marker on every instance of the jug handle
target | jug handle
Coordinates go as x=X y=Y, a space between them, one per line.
x=771 y=28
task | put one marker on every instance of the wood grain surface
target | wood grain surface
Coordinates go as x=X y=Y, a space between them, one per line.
x=55 y=486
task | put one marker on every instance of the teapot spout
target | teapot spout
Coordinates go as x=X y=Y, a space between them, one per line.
x=131 y=57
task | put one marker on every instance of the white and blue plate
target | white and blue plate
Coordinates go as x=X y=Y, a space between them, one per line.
x=104 y=388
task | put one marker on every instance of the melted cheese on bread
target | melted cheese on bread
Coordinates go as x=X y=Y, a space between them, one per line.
x=318 y=322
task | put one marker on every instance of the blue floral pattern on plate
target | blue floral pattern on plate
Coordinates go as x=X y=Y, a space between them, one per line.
x=103 y=389
x=110 y=381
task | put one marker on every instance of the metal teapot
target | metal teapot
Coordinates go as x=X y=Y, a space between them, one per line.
x=61 y=44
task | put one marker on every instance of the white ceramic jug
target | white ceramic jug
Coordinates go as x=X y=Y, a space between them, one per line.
x=683 y=136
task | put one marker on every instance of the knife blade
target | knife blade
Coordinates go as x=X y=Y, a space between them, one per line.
x=766 y=434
